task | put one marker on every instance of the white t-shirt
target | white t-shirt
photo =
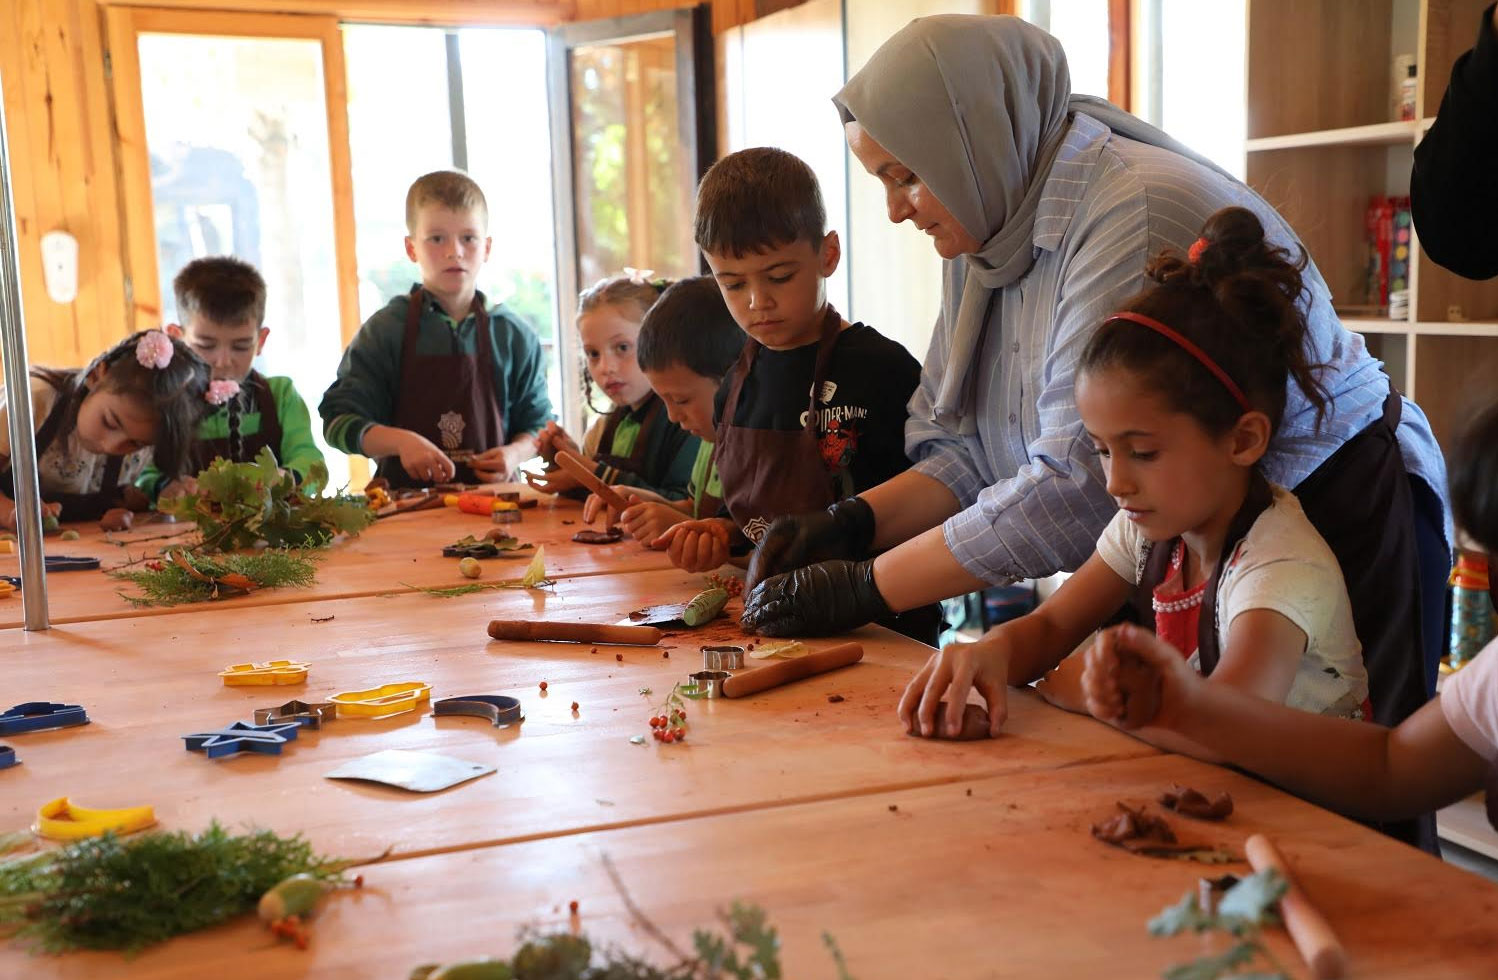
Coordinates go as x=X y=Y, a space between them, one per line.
x=1469 y=700
x=1282 y=564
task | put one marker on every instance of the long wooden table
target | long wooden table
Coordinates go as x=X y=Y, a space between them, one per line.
x=394 y=555
x=823 y=812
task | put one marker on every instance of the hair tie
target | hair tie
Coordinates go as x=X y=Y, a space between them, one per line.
x=220 y=391
x=154 y=349
x=1190 y=348
x=1194 y=253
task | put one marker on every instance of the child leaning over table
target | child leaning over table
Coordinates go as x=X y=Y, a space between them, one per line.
x=688 y=341
x=438 y=373
x=221 y=301
x=1443 y=752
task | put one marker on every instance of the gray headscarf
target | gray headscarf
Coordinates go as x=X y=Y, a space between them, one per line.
x=977 y=107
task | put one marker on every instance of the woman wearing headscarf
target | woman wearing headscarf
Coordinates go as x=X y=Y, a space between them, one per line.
x=1045 y=207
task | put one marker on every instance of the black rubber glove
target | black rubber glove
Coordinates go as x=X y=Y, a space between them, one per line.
x=844 y=530
x=818 y=600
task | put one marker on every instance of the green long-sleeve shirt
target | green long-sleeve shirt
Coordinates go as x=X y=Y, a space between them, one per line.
x=669 y=454
x=704 y=482
x=297 y=451
x=369 y=375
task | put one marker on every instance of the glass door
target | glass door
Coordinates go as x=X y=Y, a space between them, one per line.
x=633 y=130
x=234 y=140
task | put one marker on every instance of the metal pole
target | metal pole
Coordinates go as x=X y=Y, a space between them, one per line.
x=27 y=490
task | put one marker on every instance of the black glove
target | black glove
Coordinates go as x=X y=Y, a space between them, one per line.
x=818 y=600
x=844 y=530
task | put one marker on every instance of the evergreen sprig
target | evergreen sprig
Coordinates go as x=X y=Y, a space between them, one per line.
x=111 y=893
x=190 y=577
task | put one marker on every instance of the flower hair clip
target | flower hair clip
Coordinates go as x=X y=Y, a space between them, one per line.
x=154 y=349
x=1194 y=253
x=639 y=277
x=220 y=391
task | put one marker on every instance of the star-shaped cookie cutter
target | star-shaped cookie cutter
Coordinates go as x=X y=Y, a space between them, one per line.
x=243 y=737
x=308 y=715
x=39 y=716
x=271 y=672
x=382 y=701
x=500 y=709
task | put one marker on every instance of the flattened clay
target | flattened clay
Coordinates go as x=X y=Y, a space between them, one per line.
x=1130 y=824
x=974 y=724
x=613 y=535
x=118 y=519
x=1188 y=802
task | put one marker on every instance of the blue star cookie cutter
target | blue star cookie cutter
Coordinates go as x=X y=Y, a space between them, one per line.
x=39 y=716
x=243 y=737
x=7 y=757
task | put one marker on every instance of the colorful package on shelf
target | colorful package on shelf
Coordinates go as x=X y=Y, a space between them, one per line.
x=1378 y=226
x=1399 y=256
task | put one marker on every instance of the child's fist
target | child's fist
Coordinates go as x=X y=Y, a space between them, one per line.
x=1132 y=678
x=695 y=546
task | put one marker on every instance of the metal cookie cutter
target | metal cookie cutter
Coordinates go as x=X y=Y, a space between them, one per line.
x=723 y=658
x=382 y=701
x=707 y=683
x=271 y=672
x=500 y=709
x=304 y=714
x=62 y=820
x=38 y=716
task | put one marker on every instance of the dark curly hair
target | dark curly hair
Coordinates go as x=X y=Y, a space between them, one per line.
x=1474 y=479
x=1239 y=301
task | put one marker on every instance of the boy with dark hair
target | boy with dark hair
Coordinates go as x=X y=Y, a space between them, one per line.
x=814 y=409
x=221 y=305
x=439 y=385
x=688 y=341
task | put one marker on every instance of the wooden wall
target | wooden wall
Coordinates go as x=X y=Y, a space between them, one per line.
x=726 y=13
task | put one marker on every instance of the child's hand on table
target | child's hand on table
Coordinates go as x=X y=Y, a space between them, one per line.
x=552 y=481
x=1133 y=678
x=594 y=505
x=647 y=520
x=8 y=512
x=948 y=676
x=1062 y=685
x=180 y=487
x=695 y=546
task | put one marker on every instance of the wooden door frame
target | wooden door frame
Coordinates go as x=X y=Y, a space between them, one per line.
x=123 y=27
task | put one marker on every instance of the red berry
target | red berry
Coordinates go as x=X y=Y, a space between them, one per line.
x=574 y=706
x=543 y=685
x=681 y=734
x=666 y=654
x=657 y=734
x=668 y=737
x=358 y=881
x=682 y=712
x=619 y=657
x=572 y=906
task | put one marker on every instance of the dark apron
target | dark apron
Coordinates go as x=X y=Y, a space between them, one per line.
x=766 y=473
x=205 y=451
x=448 y=398
x=638 y=460
x=75 y=506
x=1359 y=500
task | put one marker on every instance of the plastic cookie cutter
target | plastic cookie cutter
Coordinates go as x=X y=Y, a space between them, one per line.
x=70 y=563
x=8 y=757
x=7 y=587
x=39 y=716
x=500 y=709
x=275 y=672
x=61 y=820
x=307 y=715
x=243 y=737
x=382 y=701
x=723 y=658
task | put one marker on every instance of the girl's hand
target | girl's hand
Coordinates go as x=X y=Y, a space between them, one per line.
x=8 y=512
x=949 y=676
x=552 y=481
x=1132 y=678
x=180 y=487
x=695 y=546
x=1062 y=685
x=647 y=520
x=422 y=460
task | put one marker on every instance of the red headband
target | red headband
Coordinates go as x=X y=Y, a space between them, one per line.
x=1190 y=348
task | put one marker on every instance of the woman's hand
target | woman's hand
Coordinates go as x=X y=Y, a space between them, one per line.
x=843 y=530
x=818 y=600
x=948 y=676
x=1132 y=678
x=695 y=546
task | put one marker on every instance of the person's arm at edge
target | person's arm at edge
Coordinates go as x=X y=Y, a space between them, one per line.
x=298 y=451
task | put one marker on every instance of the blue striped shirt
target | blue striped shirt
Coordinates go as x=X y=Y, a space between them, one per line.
x=1032 y=489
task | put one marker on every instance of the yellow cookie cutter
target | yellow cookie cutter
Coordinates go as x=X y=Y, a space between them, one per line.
x=380 y=702
x=271 y=672
x=61 y=820
x=6 y=588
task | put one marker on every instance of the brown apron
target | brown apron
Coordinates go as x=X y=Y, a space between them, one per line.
x=448 y=398
x=766 y=473
x=205 y=451
x=75 y=506
x=635 y=463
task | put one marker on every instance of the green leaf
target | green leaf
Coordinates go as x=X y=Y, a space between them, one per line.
x=535 y=572
x=1213 y=967
x=1180 y=917
x=1253 y=898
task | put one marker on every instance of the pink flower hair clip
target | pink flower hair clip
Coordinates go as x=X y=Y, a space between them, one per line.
x=1197 y=248
x=154 y=349
x=638 y=276
x=219 y=392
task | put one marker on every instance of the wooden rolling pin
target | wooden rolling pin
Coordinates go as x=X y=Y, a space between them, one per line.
x=1312 y=934
x=764 y=678
x=519 y=629
x=580 y=472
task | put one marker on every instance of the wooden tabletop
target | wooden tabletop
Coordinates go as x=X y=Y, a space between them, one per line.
x=395 y=554
x=147 y=681
x=986 y=877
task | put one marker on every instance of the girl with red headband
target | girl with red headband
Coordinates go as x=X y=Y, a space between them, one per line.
x=1180 y=394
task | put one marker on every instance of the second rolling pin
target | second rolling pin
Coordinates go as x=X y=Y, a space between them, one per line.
x=1312 y=934
x=520 y=629
x=764 y=678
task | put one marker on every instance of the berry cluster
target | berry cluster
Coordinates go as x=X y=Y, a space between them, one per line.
x=731 y=584
x=670 y=724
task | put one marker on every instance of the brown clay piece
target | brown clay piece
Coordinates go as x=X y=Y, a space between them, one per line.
x=974 y=724
x=1191 y=803
x=1130 y=824
x=613 y=535
x=117 y=519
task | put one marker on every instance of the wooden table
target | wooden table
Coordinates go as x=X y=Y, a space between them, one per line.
x=393 y=555
x=148 y=681
x=929 y=882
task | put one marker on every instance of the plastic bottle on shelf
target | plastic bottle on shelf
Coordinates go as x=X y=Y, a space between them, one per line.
x=1406 y=79
x=1471 y=608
